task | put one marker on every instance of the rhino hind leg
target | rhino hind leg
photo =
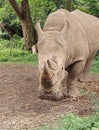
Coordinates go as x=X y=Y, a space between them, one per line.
x=85 y=76
x=73 y=74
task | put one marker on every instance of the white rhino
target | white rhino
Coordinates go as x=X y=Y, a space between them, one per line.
x=68 y=42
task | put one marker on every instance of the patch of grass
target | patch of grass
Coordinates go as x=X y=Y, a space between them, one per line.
x=11 y=52
x=17 y=56
x=73 y=122
x=95 y=66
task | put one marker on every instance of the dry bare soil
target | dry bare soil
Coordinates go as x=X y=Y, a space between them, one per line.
x=20 y=107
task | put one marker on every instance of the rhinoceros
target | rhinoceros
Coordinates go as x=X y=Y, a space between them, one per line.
x=67 y=42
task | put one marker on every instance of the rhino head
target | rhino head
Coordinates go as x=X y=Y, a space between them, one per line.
x=51 y=63
x=50 y=80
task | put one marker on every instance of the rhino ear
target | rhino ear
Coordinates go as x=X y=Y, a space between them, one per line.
x=38 y=29
x=64 y=30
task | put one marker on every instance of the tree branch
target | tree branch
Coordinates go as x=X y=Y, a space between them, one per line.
x=15 y=7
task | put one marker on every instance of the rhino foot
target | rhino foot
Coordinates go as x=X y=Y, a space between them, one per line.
x=72 y=93
x=85 y=78
x=58 y=95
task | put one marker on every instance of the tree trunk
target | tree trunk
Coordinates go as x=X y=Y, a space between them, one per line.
x=69 y=5
x=29 y=32
x=58 y=3
x=23 y=13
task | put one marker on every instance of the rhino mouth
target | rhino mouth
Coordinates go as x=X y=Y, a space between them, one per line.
x=49 y=96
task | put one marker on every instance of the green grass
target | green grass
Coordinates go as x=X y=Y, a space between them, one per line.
x=95 y=66
x=73 y=122
x=11 y=52
x=16 y=55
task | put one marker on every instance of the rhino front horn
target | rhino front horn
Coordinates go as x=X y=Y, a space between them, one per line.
x=51 y=64
x=38 y=28
x=45 y=69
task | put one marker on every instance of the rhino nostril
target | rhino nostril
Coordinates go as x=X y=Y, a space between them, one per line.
x=47 y=84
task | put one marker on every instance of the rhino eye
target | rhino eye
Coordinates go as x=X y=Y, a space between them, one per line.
x=62 y=68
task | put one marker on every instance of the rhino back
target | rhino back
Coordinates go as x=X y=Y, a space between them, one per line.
x=91 y=26
x=56 y=20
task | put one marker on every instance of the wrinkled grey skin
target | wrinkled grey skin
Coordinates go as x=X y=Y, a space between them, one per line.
x=68 y=42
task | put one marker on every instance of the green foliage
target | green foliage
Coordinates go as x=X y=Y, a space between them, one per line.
x=95 y=66
x=7 y=14
x=11 y=52
x=40 y=9
x=16 y=42
x=17 y=56
x=89 y=6
x=73 y=122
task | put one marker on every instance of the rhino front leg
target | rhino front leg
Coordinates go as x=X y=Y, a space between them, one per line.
x=73 y=74
x=85 y=77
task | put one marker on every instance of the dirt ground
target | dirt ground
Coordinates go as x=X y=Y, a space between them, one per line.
x=20 y=107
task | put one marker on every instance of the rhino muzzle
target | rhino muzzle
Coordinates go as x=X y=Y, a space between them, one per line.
x=50 y=92
x=50 y=95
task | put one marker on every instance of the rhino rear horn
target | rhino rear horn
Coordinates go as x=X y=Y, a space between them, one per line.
x=38 y=29
x=51 y=64
x=65 y=29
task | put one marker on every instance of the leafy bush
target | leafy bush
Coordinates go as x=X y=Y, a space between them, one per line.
x=89 y=6
x=18 y=41
x=41 y=9
x=15 y=42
